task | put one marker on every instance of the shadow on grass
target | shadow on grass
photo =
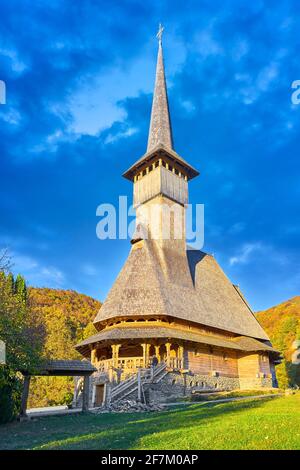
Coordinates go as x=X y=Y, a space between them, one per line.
x=114 y=431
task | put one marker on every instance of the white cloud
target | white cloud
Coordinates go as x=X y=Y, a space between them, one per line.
x=245 y=253
x=120 y=135
x=188 y=106
x=35 y=273
x=17 y=65
x=267 y=76
x=11 y=116
x=95 y=105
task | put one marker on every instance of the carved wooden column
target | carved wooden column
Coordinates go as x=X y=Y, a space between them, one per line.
x=146 y=347
x=115 y=354
x=157 y=354
x=94 y=357
x=180 y=357
x=168 y=350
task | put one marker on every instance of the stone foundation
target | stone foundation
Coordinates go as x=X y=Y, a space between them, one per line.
x=259 y=382
x=178 y=385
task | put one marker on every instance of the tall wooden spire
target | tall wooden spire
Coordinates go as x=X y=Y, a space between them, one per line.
x=160 y=131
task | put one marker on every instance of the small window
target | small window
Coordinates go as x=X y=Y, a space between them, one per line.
x=164 y=164
x=156 y=164
x=225 y=358
x=173 y=382
x=144 y=173
x=150 y=168
x=191 y=383
x=170 y=168
x=216 y=385
x=176 y=171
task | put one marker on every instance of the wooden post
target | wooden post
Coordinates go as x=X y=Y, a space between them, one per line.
x=24 y=398
x=180 y=357
x=139 y=385
x=168 y=349
x=184 y=384
x=93 y=356
x=115 y=354
x=144 y=346
x=85 y=393
x=157 y=354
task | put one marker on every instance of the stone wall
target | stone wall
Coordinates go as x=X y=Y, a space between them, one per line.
x=175 y=385
x=178 y=385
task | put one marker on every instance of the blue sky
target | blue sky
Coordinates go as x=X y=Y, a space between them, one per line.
x=79 y=77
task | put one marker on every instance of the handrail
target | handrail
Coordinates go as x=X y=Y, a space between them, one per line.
x=133 y=381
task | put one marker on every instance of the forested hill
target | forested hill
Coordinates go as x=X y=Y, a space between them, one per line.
x=282 y=323
x=65 y=317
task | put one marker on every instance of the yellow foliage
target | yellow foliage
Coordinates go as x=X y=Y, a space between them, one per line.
x=282 y=323
x=66 y=318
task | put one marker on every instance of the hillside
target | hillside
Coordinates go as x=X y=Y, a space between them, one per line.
x=282 y=323
x=64 y=317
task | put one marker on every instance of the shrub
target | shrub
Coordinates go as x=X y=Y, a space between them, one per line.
x=10 y=394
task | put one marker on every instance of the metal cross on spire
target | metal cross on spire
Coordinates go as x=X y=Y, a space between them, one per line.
x=160 y=32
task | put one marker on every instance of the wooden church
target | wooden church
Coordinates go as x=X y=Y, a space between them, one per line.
x=170 y=302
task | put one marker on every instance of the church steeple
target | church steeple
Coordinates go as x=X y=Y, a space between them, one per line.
x=160 y=131
x=160 y=153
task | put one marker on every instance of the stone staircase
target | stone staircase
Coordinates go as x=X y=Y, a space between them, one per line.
x=130 y=386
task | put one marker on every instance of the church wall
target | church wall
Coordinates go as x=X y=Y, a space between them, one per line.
x=204 y=360
x=254 y=372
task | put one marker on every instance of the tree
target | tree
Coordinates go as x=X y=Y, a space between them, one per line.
x=23 y=342
x=5 y=262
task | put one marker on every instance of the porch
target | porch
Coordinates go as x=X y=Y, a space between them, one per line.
x=128 y=358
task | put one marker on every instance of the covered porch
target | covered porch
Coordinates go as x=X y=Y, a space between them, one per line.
x=131 y=356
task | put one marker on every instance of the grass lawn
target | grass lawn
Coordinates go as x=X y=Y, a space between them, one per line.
x=253 y=424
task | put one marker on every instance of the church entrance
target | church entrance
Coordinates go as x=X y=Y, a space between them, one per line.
x=99 y=395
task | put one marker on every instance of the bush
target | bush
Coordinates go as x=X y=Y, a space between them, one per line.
x=10 y=395
x=68 y=398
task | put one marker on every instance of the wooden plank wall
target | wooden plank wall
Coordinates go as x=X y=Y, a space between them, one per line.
x=203 y=361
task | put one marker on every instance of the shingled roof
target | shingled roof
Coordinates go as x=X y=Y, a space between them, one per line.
x=63 y=367
x=160 y=131
x=160 y=149
x=128 y=333
x=192 y=286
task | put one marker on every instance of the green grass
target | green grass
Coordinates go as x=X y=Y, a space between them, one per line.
x=233 y=394
x=271 y=423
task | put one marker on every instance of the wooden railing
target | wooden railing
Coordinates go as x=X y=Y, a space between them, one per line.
x=132 y=364
x=175 y=363
x=125 y=363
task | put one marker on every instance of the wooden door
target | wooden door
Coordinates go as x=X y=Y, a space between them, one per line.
x=99 y=395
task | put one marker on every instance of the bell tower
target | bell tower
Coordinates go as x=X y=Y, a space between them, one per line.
x=160 y=177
